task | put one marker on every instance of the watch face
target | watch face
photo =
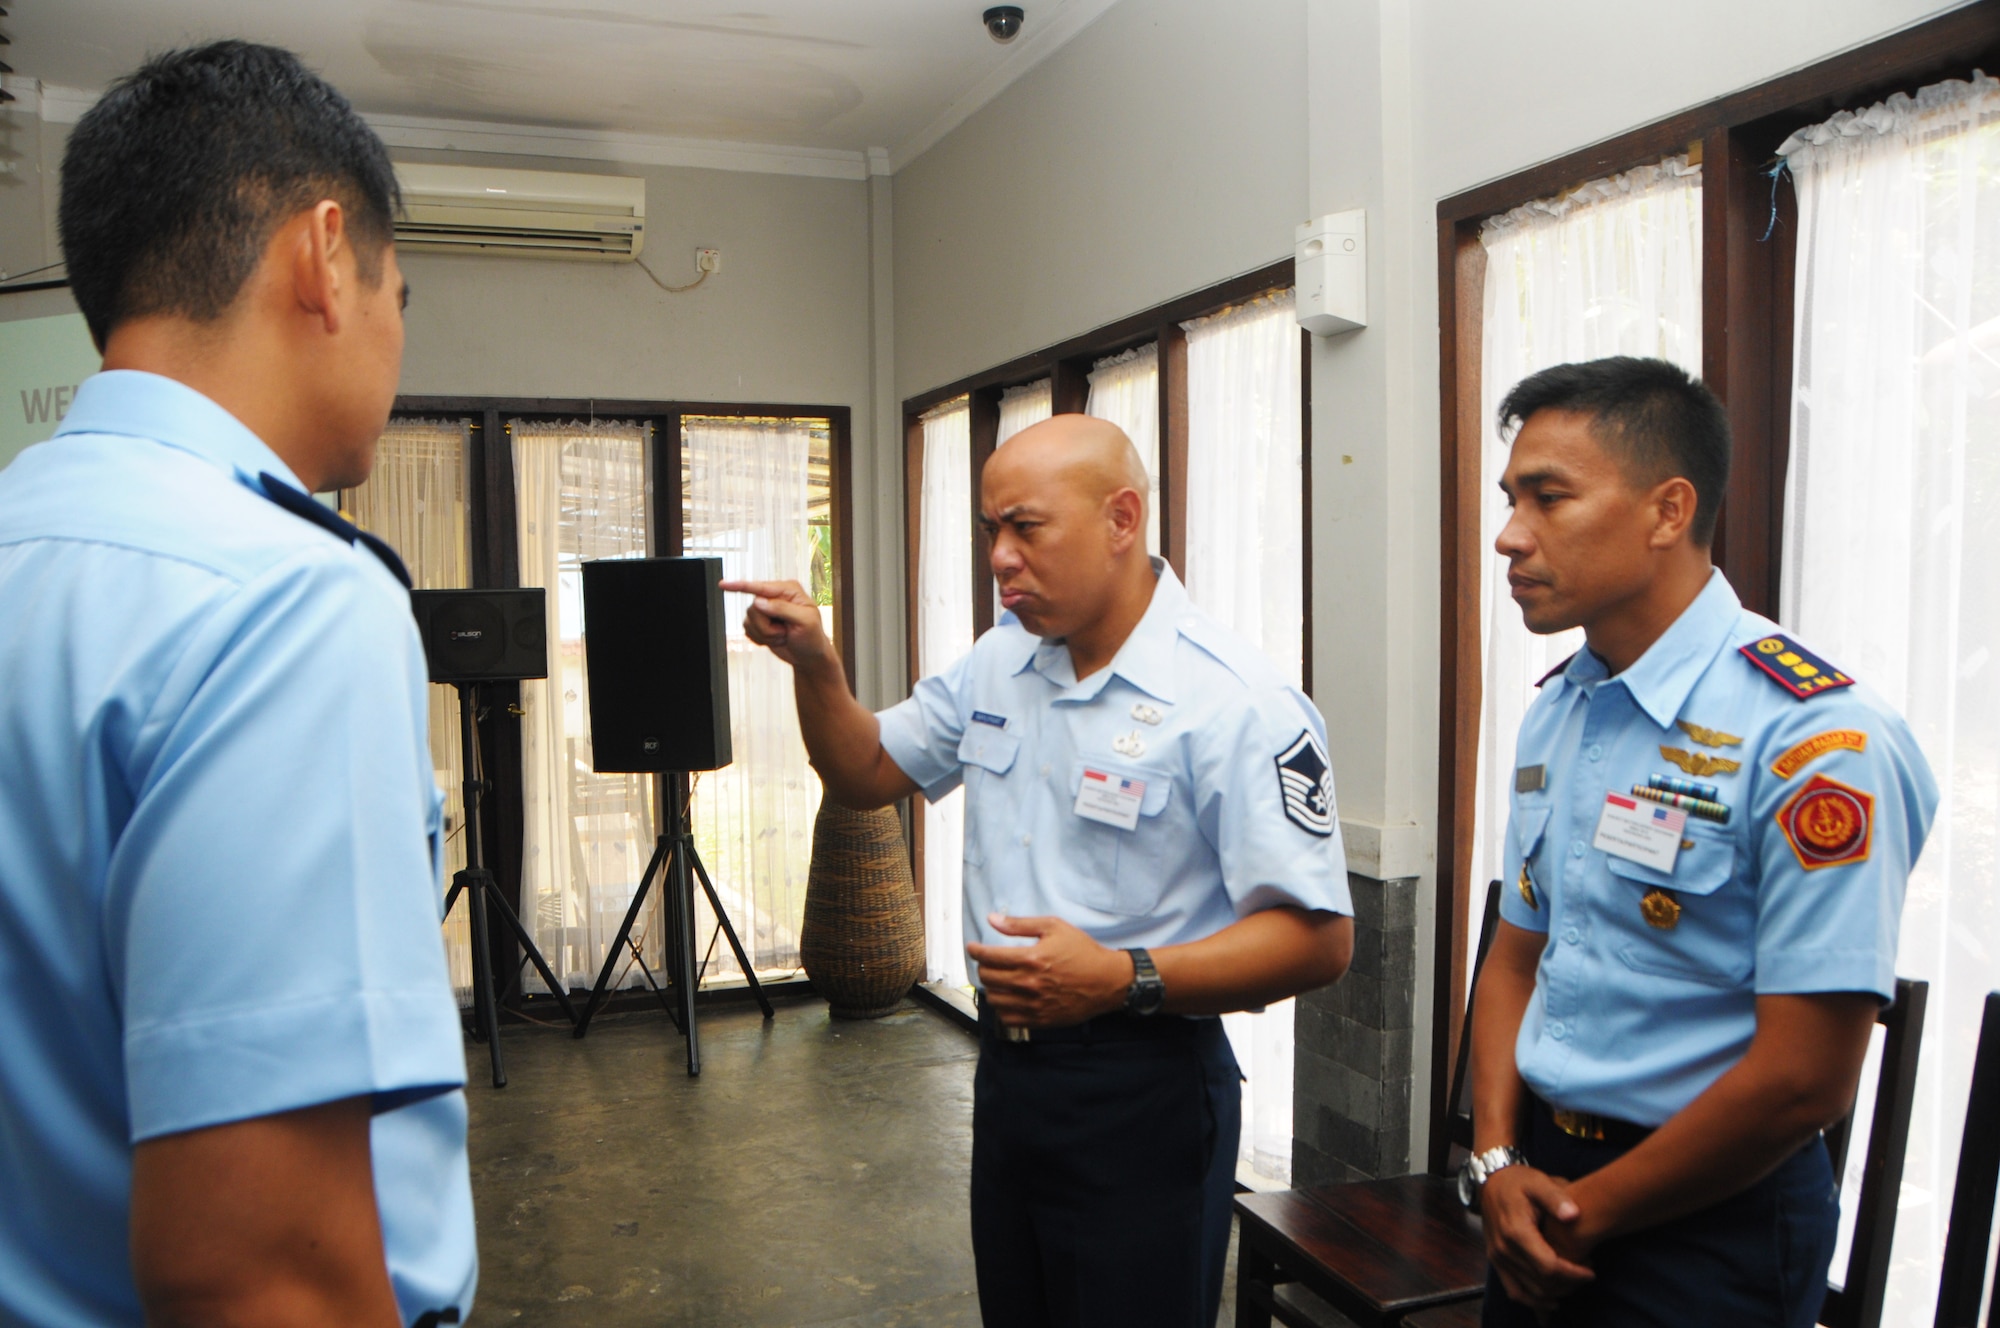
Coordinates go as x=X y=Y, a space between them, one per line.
x=1466 y=1192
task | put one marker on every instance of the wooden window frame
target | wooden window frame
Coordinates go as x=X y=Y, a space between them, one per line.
x=495 y=563
x=1067 y=366
x=1748 y=252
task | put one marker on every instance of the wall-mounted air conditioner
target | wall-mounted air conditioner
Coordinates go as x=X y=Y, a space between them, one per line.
x=528 y=214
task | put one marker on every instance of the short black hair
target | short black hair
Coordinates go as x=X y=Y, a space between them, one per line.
x=1658 y=420
x=173 y=183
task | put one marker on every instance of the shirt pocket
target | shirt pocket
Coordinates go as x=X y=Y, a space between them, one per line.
x=1714 y=939
x=987 y=754
x=1119 y=871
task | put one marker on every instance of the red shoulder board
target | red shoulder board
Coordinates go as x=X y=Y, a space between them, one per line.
x=1793 y=667
x=1539 y=682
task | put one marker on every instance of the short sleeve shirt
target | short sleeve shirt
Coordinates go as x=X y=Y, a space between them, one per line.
x=1210 y=779
x=1806 y=803
x=219 y=846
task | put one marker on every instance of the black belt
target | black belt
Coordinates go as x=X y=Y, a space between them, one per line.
x=1599 y=1129
x=1117 y=1026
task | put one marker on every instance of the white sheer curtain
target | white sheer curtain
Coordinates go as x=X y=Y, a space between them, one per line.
x=1612 y=268
x=415 y=499
x=1125 y=389
x=1892 y=527
x=749 y=488
x=1022 y=406
x=944 y=633
x=1246 y=567
x=580 y=493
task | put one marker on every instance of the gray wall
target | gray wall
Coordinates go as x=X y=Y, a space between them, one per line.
x=1160 y=151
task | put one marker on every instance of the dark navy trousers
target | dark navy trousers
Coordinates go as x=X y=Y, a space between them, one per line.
x=1756 y=1260
x=1103 y=1171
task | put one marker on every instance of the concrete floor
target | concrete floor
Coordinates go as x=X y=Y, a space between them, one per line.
x=815 y=1174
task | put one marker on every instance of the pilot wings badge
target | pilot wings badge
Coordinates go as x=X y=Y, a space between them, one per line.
x=1708 y=737
x=1700 y=764
x=1305 y=782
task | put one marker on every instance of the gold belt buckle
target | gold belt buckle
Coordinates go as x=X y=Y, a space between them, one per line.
x=1579 y=1124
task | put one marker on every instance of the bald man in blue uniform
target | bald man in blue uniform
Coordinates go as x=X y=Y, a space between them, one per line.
x=231 y=1085
x=1711 y=831
x=1151 y=841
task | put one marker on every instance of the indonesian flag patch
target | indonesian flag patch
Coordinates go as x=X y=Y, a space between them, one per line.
x=1305 y=781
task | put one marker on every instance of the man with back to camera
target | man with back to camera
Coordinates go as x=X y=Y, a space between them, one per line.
x=1710 y=835
x=231 y=1090
x=1150 y=842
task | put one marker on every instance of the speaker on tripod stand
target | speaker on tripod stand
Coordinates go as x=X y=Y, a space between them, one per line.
x=656 y=659
x=472 y=637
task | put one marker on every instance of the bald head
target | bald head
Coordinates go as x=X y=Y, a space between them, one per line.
x=1090 y=458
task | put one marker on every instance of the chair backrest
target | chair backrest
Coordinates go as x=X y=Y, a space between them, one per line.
x=1963 y=1273
x=1857 y=1301
x=1458 y=1129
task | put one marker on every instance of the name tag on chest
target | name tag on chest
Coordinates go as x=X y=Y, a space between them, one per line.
x=1641 y=832
x=1110 y=799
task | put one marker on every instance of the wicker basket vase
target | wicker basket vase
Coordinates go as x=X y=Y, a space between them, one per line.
x=863 y=940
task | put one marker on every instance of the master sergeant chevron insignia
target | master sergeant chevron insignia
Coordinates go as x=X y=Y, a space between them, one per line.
x=1700 y=764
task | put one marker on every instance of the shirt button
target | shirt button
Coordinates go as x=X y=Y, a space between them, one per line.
x=1045 y=771
x=1573 y=936
x=1558 y=1030
x=1596 y=750
x=1576 y=848
x=1027 y=840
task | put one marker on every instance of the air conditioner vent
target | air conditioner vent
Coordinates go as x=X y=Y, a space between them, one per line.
x=527 y=214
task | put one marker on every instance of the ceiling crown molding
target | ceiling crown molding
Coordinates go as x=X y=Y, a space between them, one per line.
x=1036 y=44
x=414 y=131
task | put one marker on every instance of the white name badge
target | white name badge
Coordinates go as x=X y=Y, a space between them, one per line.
x=1639 y=831
x=1110 y=799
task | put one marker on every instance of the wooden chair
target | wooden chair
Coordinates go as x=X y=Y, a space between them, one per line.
x=1856 y=1300
x=1964 y=1272
x=1375 y=1250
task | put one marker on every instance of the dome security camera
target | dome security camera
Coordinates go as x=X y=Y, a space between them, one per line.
x=1003 y=22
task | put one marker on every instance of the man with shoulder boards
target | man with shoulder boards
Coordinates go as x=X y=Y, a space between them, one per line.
x=1709 y=839
x=231 y=1085
x=1150 y=842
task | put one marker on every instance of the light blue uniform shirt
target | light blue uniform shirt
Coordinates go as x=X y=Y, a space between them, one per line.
x=1799 y=891
x=1237 y=812
x=219 y=847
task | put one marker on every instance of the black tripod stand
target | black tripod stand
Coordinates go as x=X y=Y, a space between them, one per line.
x=481 y=892
x=673 y=857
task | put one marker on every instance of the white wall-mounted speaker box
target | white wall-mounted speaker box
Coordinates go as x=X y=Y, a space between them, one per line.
x=1331 y=255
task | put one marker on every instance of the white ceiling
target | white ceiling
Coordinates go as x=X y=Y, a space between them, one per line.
x=830 y=77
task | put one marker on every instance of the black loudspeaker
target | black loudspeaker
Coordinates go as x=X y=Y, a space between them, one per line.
x=483 y=635
x=654 y=648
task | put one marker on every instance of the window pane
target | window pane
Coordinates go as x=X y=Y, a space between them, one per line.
x=1246 y=568
x=758 y=494
x=580 y=493
x=1125 y=389
x=415 y=499
x=944 y=633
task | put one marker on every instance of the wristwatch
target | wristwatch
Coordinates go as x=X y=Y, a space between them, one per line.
x=1147 y=993
x=1472 y=1176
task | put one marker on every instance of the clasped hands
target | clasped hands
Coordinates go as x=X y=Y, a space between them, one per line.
x=1063 y=978
x=1536 y=1236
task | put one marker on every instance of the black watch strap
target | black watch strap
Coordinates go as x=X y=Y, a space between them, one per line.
x=1147 y=993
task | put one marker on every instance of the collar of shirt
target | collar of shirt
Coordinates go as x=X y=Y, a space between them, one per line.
x=134 y=404
x=1660 y=680
x=1146 y=658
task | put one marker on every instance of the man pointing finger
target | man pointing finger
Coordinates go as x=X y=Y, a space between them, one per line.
x=1150 y=842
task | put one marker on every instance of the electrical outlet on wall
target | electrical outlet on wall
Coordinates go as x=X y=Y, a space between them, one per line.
x=708 y=260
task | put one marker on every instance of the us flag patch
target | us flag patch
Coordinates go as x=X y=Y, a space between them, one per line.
x=1305 y=780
